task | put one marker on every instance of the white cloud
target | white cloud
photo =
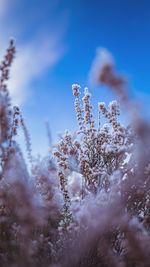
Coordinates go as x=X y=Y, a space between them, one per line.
x=31 y=61
x=34 y=56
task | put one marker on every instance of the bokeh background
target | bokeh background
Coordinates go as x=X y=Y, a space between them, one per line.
x=56 y=42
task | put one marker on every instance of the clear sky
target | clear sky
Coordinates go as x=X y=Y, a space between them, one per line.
x=56 y=43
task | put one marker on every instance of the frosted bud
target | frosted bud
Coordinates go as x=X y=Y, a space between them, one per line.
x=76 y=89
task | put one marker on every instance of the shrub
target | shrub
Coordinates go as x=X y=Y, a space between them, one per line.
x=87 y=203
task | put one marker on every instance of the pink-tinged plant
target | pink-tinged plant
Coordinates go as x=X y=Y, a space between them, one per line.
x=95 y=152
x=87 y=203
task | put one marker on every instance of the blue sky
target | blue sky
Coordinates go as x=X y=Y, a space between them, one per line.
x=56 y=43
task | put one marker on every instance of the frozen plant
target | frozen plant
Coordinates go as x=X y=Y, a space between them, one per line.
x=87 y=202
x=94 y=152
